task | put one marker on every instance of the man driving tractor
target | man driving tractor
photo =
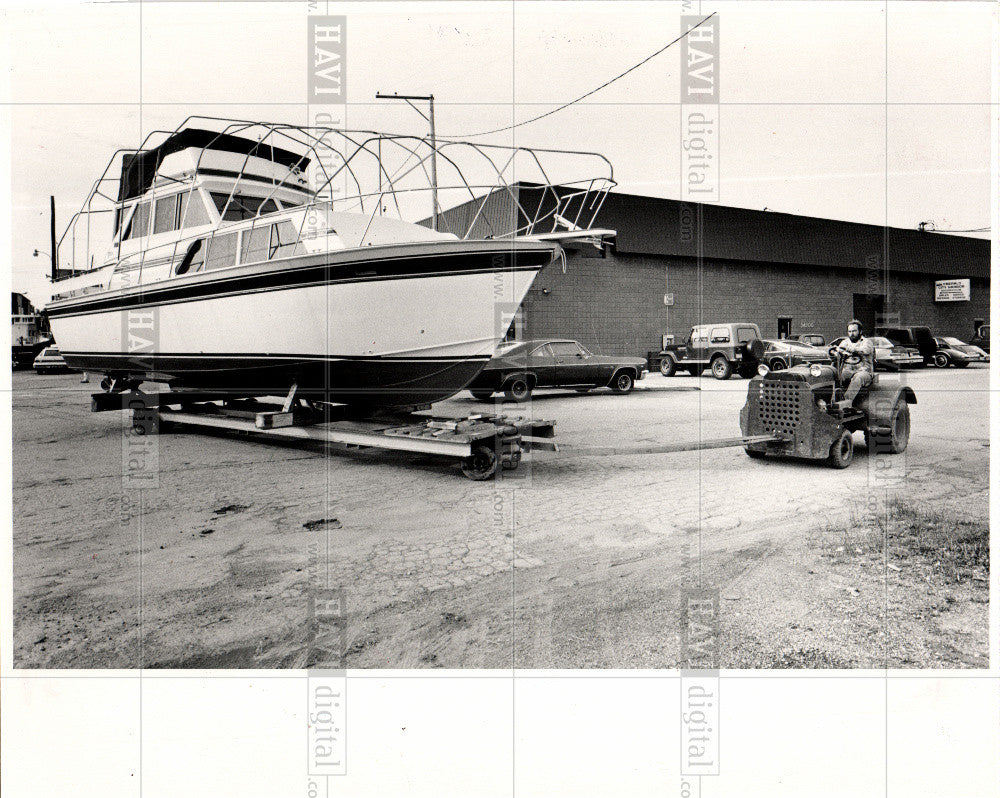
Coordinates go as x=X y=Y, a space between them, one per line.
x=857 y=369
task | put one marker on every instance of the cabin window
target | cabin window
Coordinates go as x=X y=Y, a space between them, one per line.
x=139 y=224
x=283 y=238
x=165 y=217
x=221 y=252
x=241 y=207
x=191 y=210
x=255 y=244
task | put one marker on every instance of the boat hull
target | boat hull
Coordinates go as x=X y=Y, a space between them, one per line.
x=386 y=326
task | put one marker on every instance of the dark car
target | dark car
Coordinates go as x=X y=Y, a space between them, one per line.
x=982 y=338
x=953 y=352
x=889 y=356
x=919 y=338
x=520 y=367
x=813 y=339
x=784 y=353
x=724 y=347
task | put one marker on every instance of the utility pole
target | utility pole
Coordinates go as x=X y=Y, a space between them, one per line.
x=428 y=98
x=52 y=238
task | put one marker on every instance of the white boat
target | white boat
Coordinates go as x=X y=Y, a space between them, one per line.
x=227 y=271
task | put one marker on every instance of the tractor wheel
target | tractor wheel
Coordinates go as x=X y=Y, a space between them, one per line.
x=481 y=465
x=722 y=369
x=842 y=451
x=668 y=366
x=756 y=455
x=482 y=396
x=517 y=390
x=622 y=383
x=941 y=360
x=898 y=436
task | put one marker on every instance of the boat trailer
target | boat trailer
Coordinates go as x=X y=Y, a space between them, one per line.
x=483 y=443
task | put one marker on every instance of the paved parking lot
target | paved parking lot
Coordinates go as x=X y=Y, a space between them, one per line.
x=567 y=562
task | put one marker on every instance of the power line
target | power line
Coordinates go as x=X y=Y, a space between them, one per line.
x=592 y=91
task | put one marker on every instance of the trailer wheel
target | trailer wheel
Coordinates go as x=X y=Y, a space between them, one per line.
x=842 y=451
x=622 y=382
x=898 y=436
x=668 y=366
x=517 y=390
x=722 y=369
x=481 y=465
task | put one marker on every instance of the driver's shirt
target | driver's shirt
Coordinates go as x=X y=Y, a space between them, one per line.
x=861 y=355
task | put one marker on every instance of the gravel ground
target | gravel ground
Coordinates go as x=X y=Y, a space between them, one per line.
x=567 y=562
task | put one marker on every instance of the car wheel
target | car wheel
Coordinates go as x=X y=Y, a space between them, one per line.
x=668 y=366
x=842 y=451
x=482 y=396
x=941 y=360
x=518 y=390
x=961 y=364
x=722 y=369
x=897 y=438
x=622 y=382
x=777 y=364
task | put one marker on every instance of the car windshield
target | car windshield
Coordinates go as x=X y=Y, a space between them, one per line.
x=882 y=343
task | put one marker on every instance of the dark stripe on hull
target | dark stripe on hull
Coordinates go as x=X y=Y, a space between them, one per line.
x=384 y=382
x=314 y=270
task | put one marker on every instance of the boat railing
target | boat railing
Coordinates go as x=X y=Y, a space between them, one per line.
x=492 y=191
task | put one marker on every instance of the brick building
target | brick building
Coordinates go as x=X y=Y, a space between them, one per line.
x=675 y=264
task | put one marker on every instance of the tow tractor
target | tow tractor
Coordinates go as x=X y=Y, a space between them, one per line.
x=798 y=408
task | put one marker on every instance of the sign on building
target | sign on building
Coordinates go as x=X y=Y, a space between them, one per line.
x=952 y=291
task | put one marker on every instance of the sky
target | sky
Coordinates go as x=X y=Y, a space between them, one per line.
x=846 y=110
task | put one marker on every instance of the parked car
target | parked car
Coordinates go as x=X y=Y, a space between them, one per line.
x=724 y=348
x=982 y=338
x=813 y=339
x=952 y=352
x=919 y=338
x=784 y=353
x=889 y=356
x=518 y=368
x=49 y=359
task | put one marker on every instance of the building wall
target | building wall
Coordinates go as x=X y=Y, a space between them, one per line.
x=615 y=304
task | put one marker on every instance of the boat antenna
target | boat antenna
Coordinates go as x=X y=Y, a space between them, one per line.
x=429 y=98
x=592 y=91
